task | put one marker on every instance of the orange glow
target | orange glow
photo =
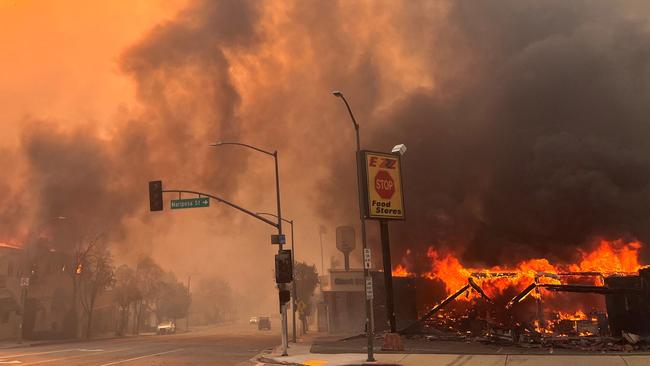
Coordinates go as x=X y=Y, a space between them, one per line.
x=400 y=271
x=613 y=257
x=610 y=257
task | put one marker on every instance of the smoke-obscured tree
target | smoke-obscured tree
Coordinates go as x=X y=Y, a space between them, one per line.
x=174 y=300
x=213 y=302
x=125 y=293
x=148 y=276
x=96 y=274
x=306 y=278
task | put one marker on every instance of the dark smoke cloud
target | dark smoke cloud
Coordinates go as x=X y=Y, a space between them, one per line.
x=541 y=145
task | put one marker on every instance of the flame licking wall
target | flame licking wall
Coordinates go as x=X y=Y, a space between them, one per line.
x=526 y=123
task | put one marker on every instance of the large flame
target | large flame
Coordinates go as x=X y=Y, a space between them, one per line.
x=609 y=257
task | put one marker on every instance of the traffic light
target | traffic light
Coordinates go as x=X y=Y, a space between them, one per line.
x=155 y=195
x=285 y=297
x=283 y=267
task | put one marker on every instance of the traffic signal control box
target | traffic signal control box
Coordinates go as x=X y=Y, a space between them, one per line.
x=285 y=297
x=283 y=267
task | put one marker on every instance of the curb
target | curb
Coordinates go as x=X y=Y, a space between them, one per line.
x=273 y=361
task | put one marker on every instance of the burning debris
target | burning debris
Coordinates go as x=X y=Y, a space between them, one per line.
x=607 y=291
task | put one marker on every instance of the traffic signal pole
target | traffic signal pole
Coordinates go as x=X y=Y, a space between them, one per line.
x=283 y=306
x=156 y=204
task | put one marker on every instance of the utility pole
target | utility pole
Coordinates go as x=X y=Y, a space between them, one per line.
x=187 y=317
x=321 y=231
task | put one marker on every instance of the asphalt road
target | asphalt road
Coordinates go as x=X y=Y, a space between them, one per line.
x=225 y=345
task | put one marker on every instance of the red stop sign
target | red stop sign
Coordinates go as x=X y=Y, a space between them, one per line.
x=384 y=184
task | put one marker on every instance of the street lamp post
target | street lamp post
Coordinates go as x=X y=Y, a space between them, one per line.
x=294 y=290
x=366 y=271
x=274 y=154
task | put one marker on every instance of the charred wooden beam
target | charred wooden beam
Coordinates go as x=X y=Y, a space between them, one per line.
x=589 y=289
x=582 y=274
x=418 y=323
x=478 y=289
x=493 y=274
x=522 y=295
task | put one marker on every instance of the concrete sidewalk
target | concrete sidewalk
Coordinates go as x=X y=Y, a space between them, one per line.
x=299 y=354
x=457 y=360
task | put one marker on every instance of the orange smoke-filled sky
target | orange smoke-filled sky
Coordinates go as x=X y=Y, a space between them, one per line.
x=508 y=107
x=59 y=58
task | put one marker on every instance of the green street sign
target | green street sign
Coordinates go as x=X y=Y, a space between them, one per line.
x=191 y=203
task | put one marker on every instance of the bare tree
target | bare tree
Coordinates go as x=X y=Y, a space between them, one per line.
x=96 y=275
x=78 y=259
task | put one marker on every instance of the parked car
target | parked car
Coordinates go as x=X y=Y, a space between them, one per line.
x=252 y=320
x=264 y=323
x=168 y=327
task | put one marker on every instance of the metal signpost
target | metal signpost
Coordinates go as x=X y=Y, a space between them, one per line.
x=345 y=243
x=382 y=177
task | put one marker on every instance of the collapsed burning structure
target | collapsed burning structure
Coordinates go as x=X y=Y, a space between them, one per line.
x=605 y=294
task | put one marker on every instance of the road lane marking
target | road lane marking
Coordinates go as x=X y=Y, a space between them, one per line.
x=141 y=357
x=74 y=357
x=315 y=362
x=40 y=353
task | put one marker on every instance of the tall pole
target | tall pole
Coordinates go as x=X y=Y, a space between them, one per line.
x=293 y=283
x=187 y=317
x=277 y=191
x=322 y=265
x=388 y=275
x=283 y=307
x=366 y=272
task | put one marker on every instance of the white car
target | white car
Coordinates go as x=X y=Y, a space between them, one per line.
x=252 y=320
x=168 y=327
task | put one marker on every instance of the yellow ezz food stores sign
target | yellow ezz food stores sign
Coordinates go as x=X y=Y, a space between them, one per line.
x=383 y=179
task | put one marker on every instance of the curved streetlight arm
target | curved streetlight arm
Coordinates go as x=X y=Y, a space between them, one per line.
x=225 y=202
x=245 y=145
x=274 y=154
x=340 y=95
x=276 y=216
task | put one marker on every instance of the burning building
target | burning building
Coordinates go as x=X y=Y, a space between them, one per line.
x=606 y=292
